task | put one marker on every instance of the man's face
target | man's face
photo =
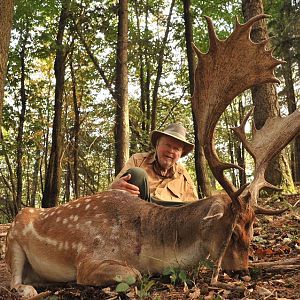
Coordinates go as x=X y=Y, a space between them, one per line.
x=168 y=151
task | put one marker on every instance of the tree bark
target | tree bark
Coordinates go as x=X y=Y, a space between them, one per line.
x=121 y=90
x=288 y=47
x=75 y=138
x=292 y=106
x=265 y=100
x=203 y=182
x=53 y=176
x=20 y=145
x=159 y=69
x=6 y=19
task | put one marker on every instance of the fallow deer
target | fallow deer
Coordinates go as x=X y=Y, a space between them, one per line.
x=93 y=239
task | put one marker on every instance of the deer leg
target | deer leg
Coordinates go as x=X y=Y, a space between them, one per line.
x=104 y=272
x=16 y=261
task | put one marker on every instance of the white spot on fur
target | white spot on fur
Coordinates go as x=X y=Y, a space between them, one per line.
x=60 y=245
x=87 y=207
x=76 y=218
x=52 y=213
x=28 y=228
x=77 y=205
x=88 y=223
x=80 y=247
x=70 y=225
x=71 y=217
x=34 y=234
x=58 y=219
x=65 y=221
x=115 y=231
x=66 y=246
x=95 y=207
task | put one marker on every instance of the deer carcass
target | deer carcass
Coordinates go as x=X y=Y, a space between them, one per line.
x=94 y=239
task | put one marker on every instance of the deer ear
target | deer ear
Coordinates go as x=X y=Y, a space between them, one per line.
x=215 y=211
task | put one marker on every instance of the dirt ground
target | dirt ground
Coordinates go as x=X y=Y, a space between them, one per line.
x=274 y=270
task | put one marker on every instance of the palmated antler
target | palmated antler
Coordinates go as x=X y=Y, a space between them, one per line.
x=266 y=143
x=230 y=67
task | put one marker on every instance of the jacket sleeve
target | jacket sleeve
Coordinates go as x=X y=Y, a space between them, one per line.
x=131 y=162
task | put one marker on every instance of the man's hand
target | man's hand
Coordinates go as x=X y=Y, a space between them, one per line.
x=122 y=184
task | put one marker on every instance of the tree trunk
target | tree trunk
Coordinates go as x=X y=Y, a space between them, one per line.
x=265 y=100
x=159 y=69
x=203 y=182
x=291 y=102
x=6 y=19
x=35 y=177
x=75 y=138
x=53 y=176
x=23 y=97
x=121 y=90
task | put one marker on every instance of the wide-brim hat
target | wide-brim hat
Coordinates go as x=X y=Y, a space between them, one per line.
x=176 y=131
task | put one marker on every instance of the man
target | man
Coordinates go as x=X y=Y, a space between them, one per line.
x=158 y=176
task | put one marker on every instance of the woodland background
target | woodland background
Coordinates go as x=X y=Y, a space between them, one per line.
x=87 y=81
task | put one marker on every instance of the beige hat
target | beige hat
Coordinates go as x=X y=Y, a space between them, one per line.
x=178 y=132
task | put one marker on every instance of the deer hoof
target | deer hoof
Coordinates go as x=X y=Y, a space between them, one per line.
x=26 y=291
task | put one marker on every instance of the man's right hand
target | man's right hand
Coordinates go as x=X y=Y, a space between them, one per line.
x=123 y=184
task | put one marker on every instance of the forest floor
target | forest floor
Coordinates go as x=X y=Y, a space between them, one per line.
x=274 y=269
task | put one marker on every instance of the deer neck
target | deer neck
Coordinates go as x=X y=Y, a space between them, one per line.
x=181 y=236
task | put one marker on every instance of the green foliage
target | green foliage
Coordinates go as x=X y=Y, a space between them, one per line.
x=176 y=275
x=206 y=263
x=124 y=285
x=145 y=287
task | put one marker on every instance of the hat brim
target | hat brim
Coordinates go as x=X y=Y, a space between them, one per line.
x=156 y=134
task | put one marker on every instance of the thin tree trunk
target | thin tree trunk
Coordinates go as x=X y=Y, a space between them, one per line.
x=265 y=100
x=53 y=176
x=240 y=150
x=142 y=67
x=23 y=97
x=35 y=177
x=75 y=143
x=6 y=19
x=203 y=182
x=159 y=69
x=292 y=106
x=121 y=92
x=94 y=59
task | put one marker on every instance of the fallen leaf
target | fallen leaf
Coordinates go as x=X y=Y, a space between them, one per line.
x=263 y=291
x=196 y=294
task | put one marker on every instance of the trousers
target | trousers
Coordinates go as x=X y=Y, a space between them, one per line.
x=139 y=178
